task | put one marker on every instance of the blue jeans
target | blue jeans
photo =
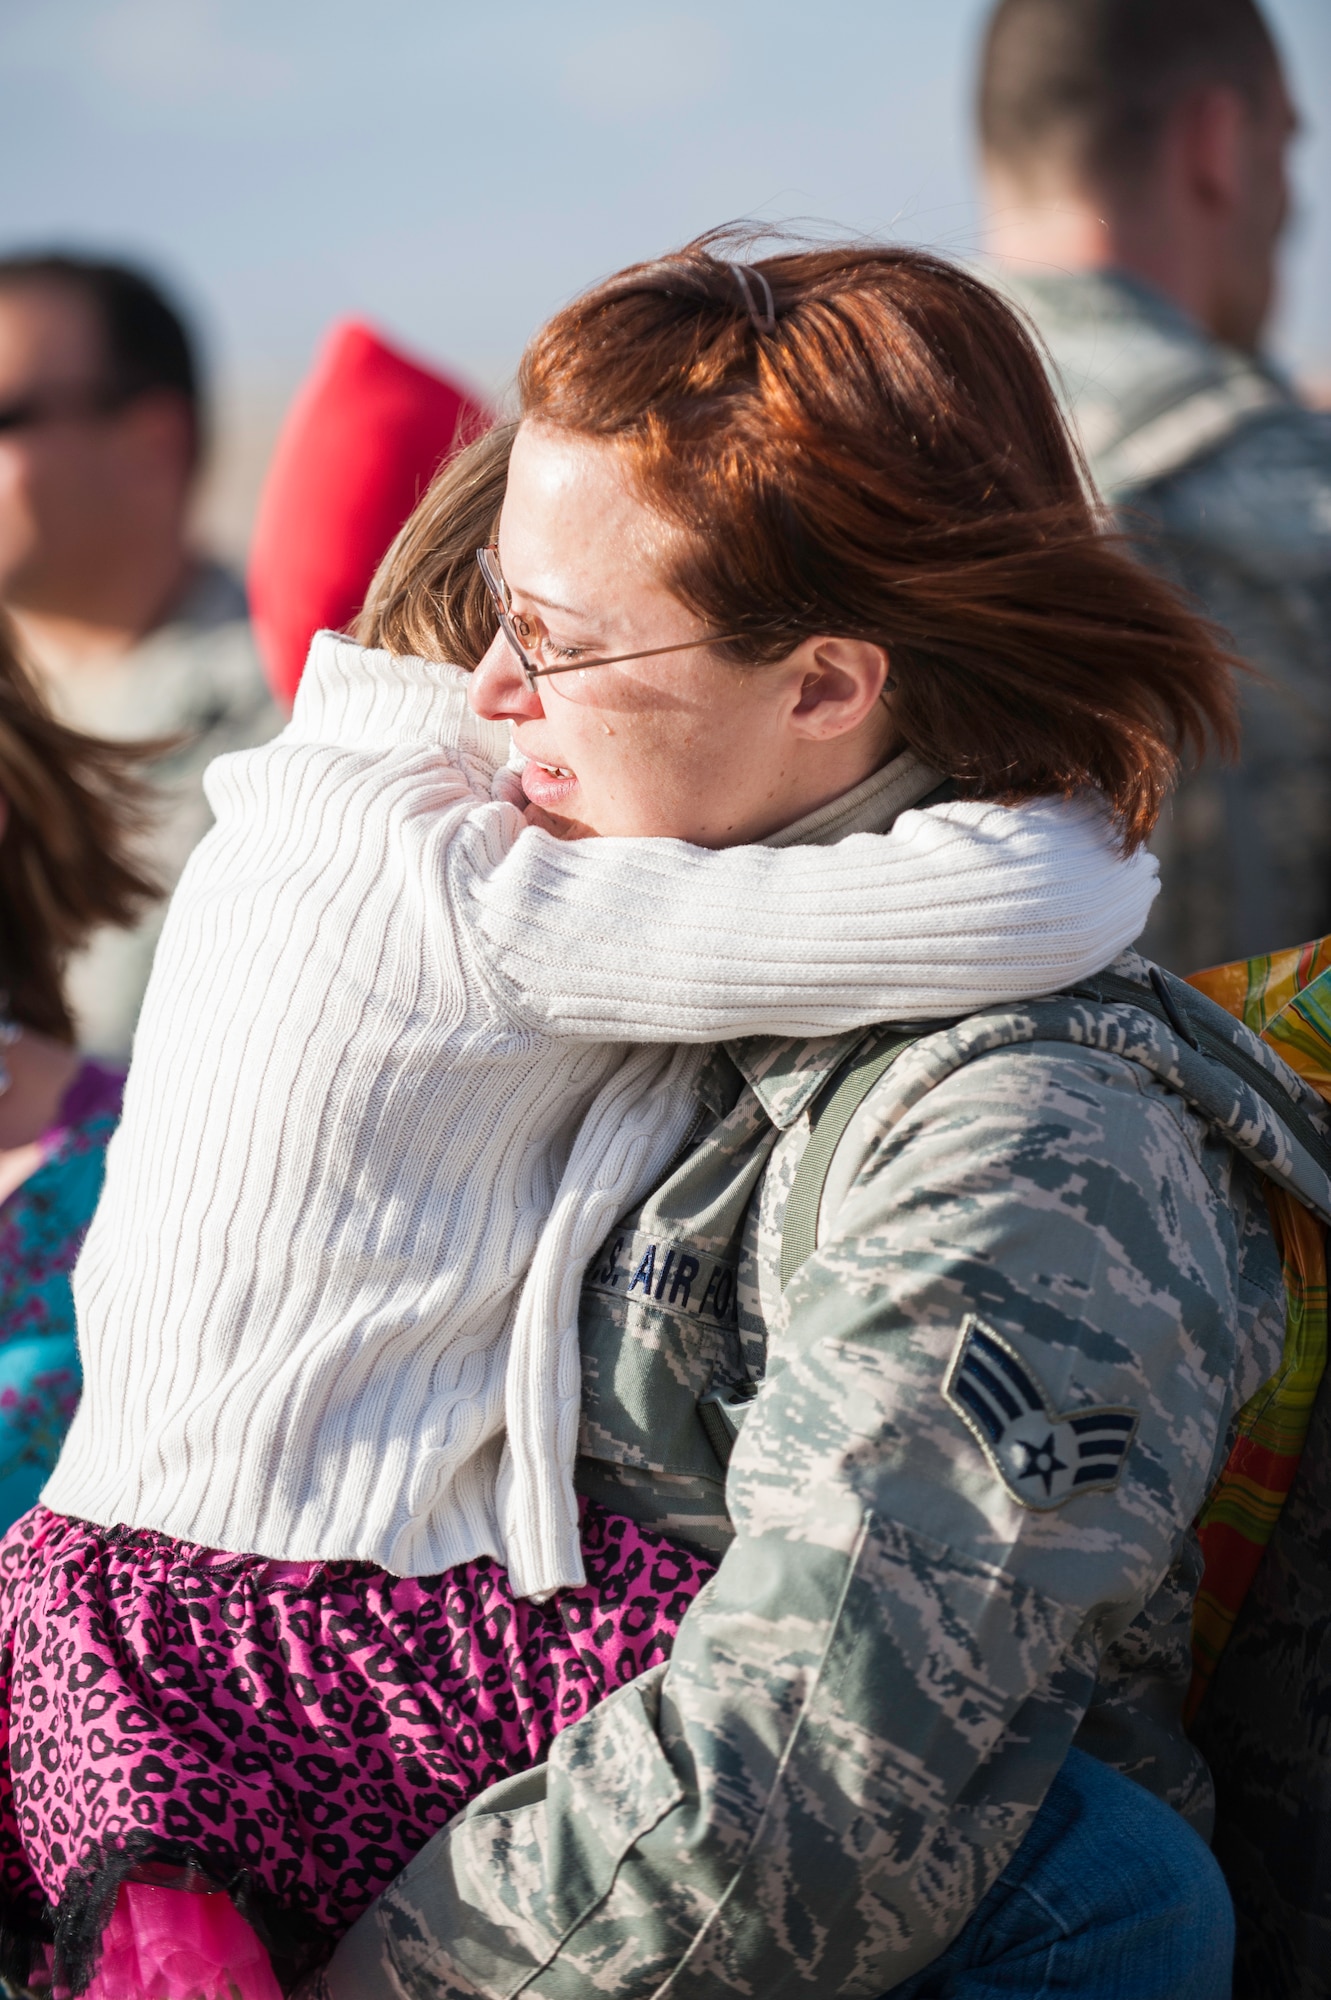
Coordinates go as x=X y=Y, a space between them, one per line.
x=1111 y=1896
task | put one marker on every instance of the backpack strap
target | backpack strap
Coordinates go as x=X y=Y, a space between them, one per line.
x=834 y=1108
x=722 y=1412
x=1208 y=1029
x=1197 y=1021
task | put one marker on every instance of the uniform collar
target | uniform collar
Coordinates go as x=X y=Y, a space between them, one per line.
x=869 y=807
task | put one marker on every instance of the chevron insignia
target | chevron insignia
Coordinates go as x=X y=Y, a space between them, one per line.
x=1043 y=1456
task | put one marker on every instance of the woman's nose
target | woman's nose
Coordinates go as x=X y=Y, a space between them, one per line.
x=498 y=690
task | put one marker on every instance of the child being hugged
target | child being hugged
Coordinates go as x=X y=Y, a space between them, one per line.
x=311 y=1571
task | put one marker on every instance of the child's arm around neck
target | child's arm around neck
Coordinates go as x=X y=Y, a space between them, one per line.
x=957 y=907
x=953 y=908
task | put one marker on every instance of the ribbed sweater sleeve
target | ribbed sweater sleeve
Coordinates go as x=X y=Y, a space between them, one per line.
x=961 y=906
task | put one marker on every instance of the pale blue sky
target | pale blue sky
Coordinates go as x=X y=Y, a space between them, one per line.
x=454 y=171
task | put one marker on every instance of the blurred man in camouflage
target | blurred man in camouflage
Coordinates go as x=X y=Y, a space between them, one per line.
x=133 y=633
x=1134 y=155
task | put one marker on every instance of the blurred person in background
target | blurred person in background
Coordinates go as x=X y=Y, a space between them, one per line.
x=132 y=633
x=1135 y=164
x=70 y=809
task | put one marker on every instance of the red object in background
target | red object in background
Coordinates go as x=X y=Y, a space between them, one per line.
x=365 y=435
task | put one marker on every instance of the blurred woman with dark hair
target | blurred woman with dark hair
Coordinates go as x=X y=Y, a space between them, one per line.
x=70 y=808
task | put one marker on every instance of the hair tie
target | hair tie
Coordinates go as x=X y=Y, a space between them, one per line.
x=763 y=322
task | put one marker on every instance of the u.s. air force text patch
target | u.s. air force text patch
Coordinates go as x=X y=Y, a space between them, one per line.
x=1043 y=1456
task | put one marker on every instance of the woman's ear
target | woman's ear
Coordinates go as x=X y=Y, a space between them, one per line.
x=838 y=682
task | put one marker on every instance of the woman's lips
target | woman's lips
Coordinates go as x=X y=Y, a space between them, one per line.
x=547 y=785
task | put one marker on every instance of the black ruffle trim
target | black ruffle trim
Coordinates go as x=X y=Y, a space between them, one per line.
x=296 y=1943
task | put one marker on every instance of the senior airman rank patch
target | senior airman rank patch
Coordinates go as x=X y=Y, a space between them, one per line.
x=1043 y=1456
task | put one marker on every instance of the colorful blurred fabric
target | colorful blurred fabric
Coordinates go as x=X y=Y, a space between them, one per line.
x=42 y=1226
x=1285 y=997
x=362 y=440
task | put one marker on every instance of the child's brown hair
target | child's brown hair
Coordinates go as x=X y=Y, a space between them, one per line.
x=428 y=599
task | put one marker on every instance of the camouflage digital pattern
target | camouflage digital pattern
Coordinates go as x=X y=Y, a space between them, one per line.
x=867 y=1704
x=1224 y=480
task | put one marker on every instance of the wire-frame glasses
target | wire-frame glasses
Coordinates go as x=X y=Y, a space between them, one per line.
x=488 y=559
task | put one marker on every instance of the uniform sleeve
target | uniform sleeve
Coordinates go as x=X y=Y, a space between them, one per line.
x=958 y=907
x=866 y=1707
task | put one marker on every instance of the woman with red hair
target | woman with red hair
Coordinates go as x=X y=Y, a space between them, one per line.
x=795 y=599
x=999 y=1285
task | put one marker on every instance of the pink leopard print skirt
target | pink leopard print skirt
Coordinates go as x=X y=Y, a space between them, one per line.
x=287 y=1733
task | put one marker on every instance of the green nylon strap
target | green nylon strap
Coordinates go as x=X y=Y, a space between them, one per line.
x=830 y=1120
x=1207 y=1028
x=1197 y=1020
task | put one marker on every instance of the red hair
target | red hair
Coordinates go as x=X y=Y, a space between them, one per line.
x=887 y=462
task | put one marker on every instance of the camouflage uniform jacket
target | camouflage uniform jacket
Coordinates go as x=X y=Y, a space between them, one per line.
x=917 y=1609
x=1223 y=478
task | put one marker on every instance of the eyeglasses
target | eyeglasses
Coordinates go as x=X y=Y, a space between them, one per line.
x=532 y=666
x=28 y=413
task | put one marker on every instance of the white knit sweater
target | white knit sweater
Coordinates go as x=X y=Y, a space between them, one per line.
x=380 y=1080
